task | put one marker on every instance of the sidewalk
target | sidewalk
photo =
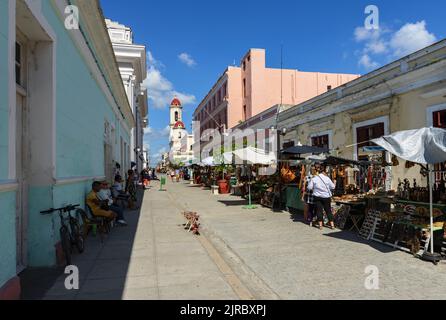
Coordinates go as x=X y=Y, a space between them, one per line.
x=152 y=258
x=296 y=261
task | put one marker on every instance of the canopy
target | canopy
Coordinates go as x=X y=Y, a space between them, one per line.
x=251 y=155
x=209 y=161
x=304 y=150
x=425 y=145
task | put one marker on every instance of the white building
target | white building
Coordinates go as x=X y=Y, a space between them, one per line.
x=131 y=59
x=180 y=142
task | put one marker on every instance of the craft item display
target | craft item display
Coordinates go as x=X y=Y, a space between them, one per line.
x=192 y=223
x=368 y=223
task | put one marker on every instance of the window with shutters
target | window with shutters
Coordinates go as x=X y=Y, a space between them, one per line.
x=367 y=133
x=322 y=141
x=439 y=119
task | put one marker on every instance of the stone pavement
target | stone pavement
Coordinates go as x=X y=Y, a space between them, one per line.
x=152 y=258
x=275 y=254
x=241 y=254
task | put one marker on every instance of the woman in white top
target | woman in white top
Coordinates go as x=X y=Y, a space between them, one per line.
x=321 y=185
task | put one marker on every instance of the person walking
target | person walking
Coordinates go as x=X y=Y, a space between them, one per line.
x=308 y=199
x=322 y=186
x=131 y=189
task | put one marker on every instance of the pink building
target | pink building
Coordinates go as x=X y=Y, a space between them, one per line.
x=246 y=91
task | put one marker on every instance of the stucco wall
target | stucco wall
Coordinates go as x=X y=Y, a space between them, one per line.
x=7 y=237
x=406 y=111
x=4 y=101
x=7 y=199
x=81 y=110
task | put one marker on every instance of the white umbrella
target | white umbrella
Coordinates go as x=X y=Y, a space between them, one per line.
x=209 y=161
x=424 y=146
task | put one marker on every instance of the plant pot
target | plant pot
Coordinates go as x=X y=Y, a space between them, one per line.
x=223 y=186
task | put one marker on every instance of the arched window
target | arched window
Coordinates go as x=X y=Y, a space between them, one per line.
x=176 y=115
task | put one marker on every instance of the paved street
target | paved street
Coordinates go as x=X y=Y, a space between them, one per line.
x=152 y=258
x=290 y=260
x=241 y=254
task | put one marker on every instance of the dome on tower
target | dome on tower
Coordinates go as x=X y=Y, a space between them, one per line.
x=176 y=102
x=179 y=125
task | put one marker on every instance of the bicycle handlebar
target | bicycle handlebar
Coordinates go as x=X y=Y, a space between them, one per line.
x=63 y=209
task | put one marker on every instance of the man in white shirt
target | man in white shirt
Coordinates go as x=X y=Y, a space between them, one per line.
x=322 y=186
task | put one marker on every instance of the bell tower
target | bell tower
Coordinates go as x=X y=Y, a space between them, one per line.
x=176 y=111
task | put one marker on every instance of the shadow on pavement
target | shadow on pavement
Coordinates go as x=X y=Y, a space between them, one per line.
x=354 y=237
x=103 y=267
x=231 y=203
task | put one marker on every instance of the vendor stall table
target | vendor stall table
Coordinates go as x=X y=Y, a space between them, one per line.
x=293 y=197
x=402 y=245
x=356 y=214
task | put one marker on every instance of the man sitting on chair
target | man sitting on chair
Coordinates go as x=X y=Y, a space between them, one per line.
x=102 y=208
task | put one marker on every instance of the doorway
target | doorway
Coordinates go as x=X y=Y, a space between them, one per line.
x=22 y=150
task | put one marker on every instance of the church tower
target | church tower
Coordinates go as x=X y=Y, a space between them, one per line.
x=176 y=112
x=177 y=126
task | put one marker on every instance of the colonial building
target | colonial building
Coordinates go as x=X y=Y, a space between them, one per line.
x=248 y=90
x=409 y=93
x=131 y=60
x=62 y=103
x=180 y=141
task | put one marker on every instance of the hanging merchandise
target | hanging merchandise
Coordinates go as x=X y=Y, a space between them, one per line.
x=287 y=174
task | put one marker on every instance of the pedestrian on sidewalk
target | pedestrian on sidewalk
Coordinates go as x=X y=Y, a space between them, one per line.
x=308 y=199
x=131 y=189
x=322 y=186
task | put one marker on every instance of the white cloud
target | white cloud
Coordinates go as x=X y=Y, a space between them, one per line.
x=159 y=153
x=376 y=47
x=363 y=34
x=160 y=90
x=384 y=45
x=187 y=59
x=410 y=38
x=366 y=62
x=152 y=134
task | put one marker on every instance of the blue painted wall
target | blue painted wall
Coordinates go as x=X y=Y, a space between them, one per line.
x=81 y=110
x=7 y=237
x=7 y=199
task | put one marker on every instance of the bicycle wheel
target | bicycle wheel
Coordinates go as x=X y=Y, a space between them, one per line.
x=66 y=243
x=78 y=239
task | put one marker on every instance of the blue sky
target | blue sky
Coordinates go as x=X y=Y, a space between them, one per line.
x=192 y=42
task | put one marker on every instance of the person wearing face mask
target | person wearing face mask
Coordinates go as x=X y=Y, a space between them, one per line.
x=105 y=196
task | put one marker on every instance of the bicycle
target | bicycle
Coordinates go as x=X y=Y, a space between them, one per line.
x=70 y=235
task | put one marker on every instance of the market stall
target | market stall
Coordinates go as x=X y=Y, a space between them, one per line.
x=416 y=221
x=292 y=174
x=254 y=170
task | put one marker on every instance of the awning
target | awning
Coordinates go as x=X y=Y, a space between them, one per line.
x=304 y=150
x=425 y=145
x=209 y=161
